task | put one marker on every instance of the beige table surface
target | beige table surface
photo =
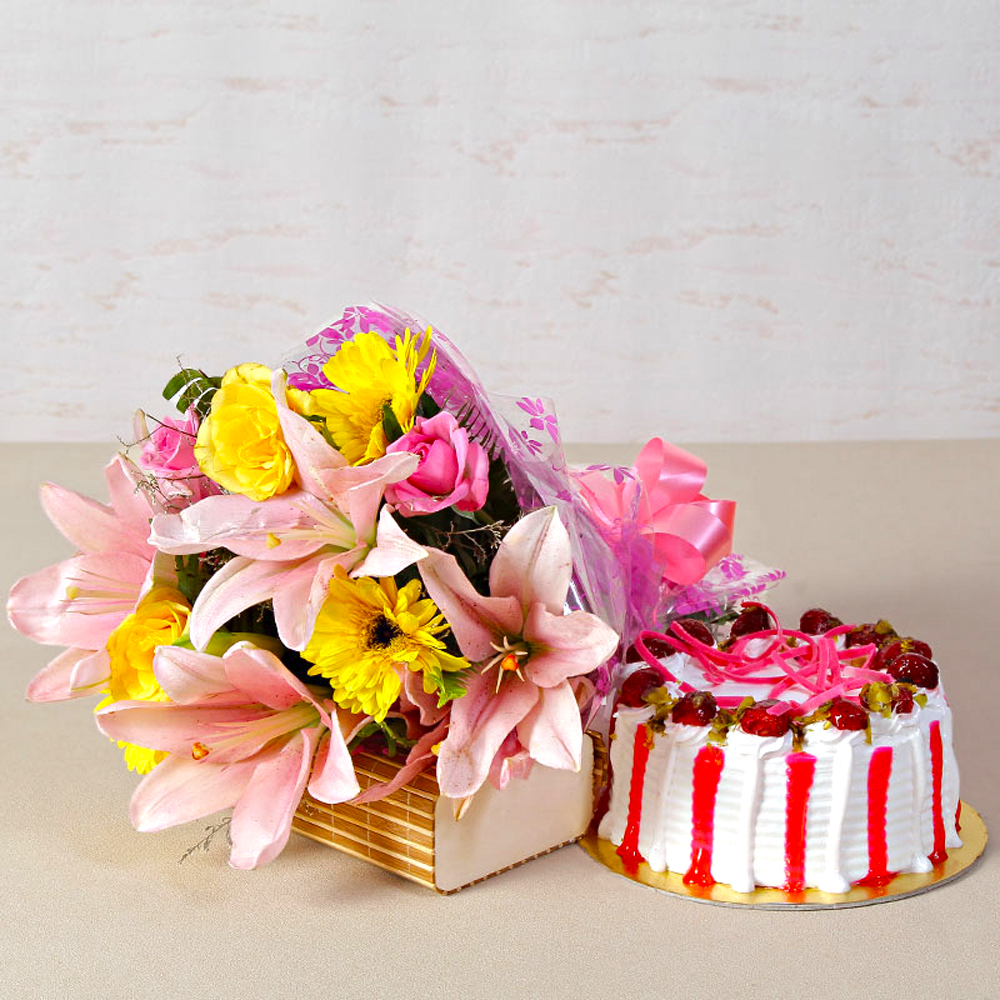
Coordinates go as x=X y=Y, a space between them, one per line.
x=92 y=909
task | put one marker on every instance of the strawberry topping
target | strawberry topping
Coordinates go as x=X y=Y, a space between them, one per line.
x=816 y=621
x=695 y=709
x=914 y=669
x=845 y=714
x=759 y=722
x=638 y=684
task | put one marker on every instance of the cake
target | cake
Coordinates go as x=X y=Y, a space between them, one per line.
x=812 y=758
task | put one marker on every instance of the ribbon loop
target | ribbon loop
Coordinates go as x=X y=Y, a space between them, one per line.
x=660 y=498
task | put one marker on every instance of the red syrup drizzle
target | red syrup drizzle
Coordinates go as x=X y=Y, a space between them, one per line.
x=878 y=791
x=800 y=770
x=937 y=758
x=707 y=771
x=628 y=850
x=958 y=817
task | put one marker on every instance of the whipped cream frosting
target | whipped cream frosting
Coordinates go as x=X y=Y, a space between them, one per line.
x=867 y=810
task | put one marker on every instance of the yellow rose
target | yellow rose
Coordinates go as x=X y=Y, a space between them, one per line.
x=160 y=619
x=240 y=444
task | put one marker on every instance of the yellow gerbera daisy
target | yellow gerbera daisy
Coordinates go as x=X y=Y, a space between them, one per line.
x=159 y=619
x=367 y=632
x=370 y=374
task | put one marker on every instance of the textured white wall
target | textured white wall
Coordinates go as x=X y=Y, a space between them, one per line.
x=735 y=220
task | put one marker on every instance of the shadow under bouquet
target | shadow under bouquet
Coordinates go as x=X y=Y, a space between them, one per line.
x=360 y=551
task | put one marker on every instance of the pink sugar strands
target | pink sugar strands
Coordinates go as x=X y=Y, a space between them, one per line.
x=791 y=660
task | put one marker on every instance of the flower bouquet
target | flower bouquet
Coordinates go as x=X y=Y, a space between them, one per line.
x=357 y=595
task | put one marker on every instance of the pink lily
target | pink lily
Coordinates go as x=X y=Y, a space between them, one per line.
x=81 y=601
x=526 y=648
x=288 y=547
x=241 y=731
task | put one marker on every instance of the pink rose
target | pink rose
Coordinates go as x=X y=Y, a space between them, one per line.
x=453 y=471
x=168 y=453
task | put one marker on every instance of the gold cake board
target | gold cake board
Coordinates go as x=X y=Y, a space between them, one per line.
x=960 y=860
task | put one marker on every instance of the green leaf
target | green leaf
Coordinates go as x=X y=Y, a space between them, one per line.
x=426 y=407
x=393 y=432
x=195 y=389
x=175 y=385
x=190 y=578
x=392 y=730
x=449 y=684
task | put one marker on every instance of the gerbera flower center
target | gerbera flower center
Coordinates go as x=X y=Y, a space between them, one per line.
x=368 y=633
x=382 y=632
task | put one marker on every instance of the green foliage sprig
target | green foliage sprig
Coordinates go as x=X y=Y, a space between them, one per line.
x=192 y=387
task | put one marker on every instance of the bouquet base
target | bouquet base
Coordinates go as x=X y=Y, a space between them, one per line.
x=414 y=833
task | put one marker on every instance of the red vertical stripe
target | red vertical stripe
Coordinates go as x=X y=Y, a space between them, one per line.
x=800 y=770
x=937 y=767
x=628 y=850
x=707 y=771
x=878 y=791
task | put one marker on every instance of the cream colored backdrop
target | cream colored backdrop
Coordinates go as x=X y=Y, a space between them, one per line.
x=751 y=221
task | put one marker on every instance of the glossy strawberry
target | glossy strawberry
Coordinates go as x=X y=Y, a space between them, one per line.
x=817 y=621
x=759 y=722
x=914 y=669
x=878 y=633
x=658 y=647
x=696 y=629
x=844 y=714
x=902 y=700
x=637 y=684
x=695 y=709
x=897 y=647
x=753 y=618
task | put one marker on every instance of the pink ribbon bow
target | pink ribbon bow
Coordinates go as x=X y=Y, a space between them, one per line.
x=661 y=495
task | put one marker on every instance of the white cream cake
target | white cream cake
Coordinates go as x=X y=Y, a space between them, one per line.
x=843 y=774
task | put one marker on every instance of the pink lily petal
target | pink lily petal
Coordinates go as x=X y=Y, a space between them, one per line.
x=475 y=620
x=180 y=789
x=239 y=585
x=426 y=703
x=358 y=489
x=262 y=818
x=300 y=597
x=333 y=778
x=534 y=562
x=584 y=689
x=511 y=761
x=565 y=645
x=128 y=498
x=419 y=759
x=244 y=526
x=189 y=677
x=263 y=678
x=89 y=525
x=92 y=673
x=78 y=602
x=315 y=458
x=394 y=550
x=551 y=731
x=162 y=726
x=54 y=681
x=480 y=721
x=161 y=572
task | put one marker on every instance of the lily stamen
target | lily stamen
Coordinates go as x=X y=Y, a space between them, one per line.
x=507 y=655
